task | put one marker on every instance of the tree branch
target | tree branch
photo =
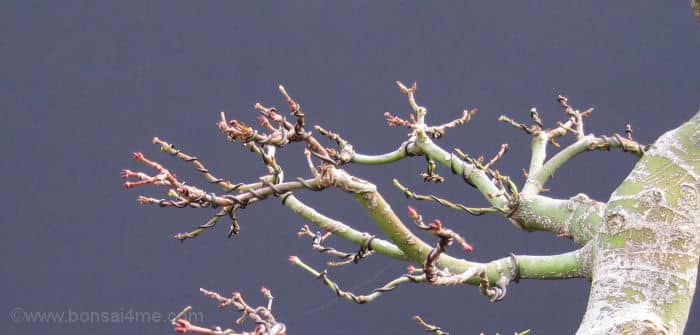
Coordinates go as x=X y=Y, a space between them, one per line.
x=538 y=177
x=407 y=149
x=340 y=229
x=578 y=217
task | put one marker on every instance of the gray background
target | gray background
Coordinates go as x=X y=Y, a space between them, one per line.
x=83 y=84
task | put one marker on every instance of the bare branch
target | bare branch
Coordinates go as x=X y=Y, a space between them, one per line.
x=577 y=217
x=262 y=316
x=428 y=327
x=395 y=121
x=471 y=210
x=439 y=131
x=169 y=148
x=346 y=258
x=338 y=228
x=360 y=299
x=410 y=92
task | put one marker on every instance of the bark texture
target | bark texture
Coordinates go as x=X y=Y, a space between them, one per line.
x=646 y=253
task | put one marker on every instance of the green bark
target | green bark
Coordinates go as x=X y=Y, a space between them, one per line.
x=646 y=253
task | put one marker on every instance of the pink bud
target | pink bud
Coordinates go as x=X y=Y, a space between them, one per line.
x=436 y=224
x=412 y=212
x=293 y=259
x=138 y=156
x=467 y=247
x=182 y=326
x=125 y=173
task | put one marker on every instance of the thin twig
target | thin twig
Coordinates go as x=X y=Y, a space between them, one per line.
x=471 y=210
x=428 y=327
x=360 y=299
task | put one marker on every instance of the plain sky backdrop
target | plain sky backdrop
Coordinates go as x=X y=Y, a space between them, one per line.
x=85 y=83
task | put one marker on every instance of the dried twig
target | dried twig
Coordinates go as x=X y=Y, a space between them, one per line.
x=346 y=258
x=360 y=299
x=428 y=327
x=471 y=210
x=262 y=316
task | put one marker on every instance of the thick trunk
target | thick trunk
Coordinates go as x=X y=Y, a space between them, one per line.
x=646 y=255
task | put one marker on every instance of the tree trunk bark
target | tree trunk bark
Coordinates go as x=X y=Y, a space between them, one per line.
x=646 y=254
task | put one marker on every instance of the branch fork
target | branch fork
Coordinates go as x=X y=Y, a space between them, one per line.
x=262 y=316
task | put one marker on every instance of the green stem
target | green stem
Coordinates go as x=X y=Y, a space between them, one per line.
x=470 y=172
x=562 y=266
x=537 y=178
x=409 y=247
x=413 y=247
x=539 y=152
x=578 y=217
x=340 y=229
x=386 y=158
x=407 y=148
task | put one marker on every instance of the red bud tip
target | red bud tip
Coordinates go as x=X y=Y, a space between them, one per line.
x=293 y=259
x=156 y=140
x=410 y=269
x=128 y=185
x=415 y=317
x=467 y=247
x=182 y=326
x=137 y=156
x=412 y=212
x=436 y=224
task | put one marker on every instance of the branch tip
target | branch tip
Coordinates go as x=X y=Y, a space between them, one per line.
x=412 y=212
